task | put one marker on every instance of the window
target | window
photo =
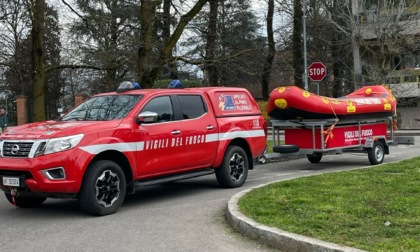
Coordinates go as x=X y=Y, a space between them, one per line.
x=162 y=106
x=103 y=108
x=192 y=106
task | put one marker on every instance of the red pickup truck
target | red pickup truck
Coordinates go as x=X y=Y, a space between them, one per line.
x=113 y=142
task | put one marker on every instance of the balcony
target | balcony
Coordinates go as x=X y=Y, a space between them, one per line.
x=374 y=22
x=405 y=83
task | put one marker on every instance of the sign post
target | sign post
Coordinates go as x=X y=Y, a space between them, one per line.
x=317 y=72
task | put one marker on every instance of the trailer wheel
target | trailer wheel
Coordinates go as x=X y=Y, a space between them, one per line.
x=376 y=154
x=315 y=158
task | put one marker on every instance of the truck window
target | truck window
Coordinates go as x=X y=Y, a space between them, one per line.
x=192 y=106
x=162 y=106
x=103 y=108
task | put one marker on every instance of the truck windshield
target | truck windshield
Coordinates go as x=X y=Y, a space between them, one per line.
x=103 y=108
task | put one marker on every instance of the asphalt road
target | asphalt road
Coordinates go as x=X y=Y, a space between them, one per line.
x=183 y=216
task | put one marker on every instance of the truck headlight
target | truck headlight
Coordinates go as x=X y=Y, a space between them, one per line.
x=62 y=143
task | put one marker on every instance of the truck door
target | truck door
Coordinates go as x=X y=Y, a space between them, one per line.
x=199 y=130
x=163 y=149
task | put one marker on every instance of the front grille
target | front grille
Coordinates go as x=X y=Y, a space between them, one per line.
x=12 y=173
x=17 y=149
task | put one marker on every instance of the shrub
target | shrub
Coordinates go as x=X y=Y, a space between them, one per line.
x=263 y=107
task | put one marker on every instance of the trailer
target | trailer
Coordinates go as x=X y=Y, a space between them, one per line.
x=315 y=138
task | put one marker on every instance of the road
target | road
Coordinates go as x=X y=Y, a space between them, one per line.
x=183 y=216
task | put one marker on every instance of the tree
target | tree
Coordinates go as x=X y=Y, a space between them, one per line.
x=241 y=49
x=18 y=74
x=149 y=69
x=297 y=43
x=329 y=45
x=265 y=79
x=54 y=81
x=145 y=47
x=37 y=14
x=236 y=56
x=379 y=37
x=14 y=63
x=104 y=36
x=167 y=20
x=210 y=48
x=341 y=44
x=325 y=42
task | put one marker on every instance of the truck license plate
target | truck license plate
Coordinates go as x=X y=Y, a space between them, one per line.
x=9 y=181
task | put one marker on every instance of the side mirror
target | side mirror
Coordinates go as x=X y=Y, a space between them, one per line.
x=147 y=117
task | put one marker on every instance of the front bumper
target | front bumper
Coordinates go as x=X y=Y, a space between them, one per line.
x=33 y=177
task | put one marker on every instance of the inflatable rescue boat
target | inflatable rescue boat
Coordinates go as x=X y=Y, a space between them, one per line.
x=292 y=102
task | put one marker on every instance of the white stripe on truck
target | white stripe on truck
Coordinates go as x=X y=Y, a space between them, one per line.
x=139 y=146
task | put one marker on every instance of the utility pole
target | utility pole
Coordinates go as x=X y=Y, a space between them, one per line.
x=305 y=56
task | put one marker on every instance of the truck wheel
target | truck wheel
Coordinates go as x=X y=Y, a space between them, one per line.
x=25 y=201
x=234 y=169
x=103 y=189
x=314 y=158
x=376 y=153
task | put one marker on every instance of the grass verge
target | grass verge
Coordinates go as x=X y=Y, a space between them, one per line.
x=375 y=209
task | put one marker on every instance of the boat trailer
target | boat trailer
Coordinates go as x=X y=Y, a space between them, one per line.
x=315 y=138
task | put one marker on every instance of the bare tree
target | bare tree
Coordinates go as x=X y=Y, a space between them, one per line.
x=383 y=38
x=270 y=52
x=298 y=43
x=15 y=27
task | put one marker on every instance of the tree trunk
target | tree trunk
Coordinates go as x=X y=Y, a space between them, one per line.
x=38 y=71
x=265 y=79
x=336 y=52
x=298 y=43
x=210 y=67
x=111 y=72
x=166 y=34
x=147 y=14
x=146 y=75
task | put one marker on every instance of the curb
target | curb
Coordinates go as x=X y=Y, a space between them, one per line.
x=275 y=237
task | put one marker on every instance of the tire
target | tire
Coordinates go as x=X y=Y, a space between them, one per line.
x=315 y=158
x=285 y=148
x=376 y=154
x=25 y=201
x=103 y=189
x=234 y=169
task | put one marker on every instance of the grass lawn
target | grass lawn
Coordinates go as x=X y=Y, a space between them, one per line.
x=375 y=209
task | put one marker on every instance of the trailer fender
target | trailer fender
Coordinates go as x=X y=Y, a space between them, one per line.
x=371 y=140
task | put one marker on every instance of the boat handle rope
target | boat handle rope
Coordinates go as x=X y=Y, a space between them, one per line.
x=328 y=133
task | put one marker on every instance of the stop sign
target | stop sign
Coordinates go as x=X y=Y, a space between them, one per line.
x=317 y=71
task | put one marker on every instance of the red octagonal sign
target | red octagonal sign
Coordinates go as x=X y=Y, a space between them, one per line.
x=317 y=71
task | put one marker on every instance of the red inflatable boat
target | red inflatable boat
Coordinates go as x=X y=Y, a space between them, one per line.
x=292 y=102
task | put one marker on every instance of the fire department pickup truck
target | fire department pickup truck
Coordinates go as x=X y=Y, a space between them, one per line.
x=114 y=142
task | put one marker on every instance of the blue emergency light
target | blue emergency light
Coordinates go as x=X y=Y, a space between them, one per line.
x=128 y=85
x=175 y=84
